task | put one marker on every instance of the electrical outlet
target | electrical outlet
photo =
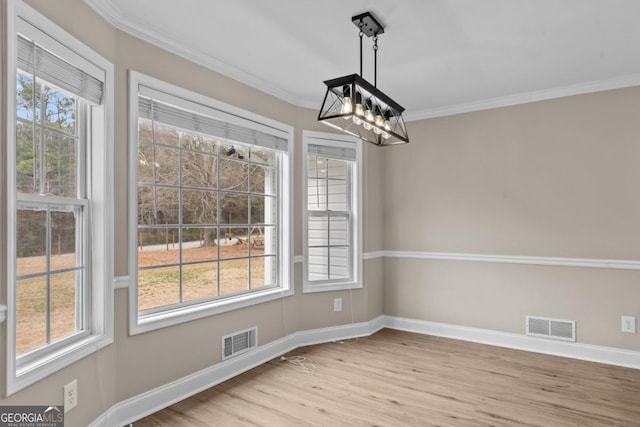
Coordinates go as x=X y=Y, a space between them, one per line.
x=337 y=304
x=629 y=324
x=70 y=396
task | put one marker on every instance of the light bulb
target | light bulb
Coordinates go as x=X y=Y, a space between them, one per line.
x=368 y=116
x=379 y=122
x=385 y=135
x=359 y=113
x=347 y=106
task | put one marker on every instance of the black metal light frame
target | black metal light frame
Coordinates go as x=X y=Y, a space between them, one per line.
x=357 y=107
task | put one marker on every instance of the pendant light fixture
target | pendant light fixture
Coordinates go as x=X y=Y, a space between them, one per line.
x=358 y=107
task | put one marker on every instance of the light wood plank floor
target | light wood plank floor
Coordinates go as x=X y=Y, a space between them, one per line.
x=402 y=379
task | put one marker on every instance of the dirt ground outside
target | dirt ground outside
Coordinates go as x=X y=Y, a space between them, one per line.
x=157 y=287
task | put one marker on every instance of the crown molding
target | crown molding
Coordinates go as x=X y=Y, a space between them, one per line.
x=114 y=16
x=526 y=97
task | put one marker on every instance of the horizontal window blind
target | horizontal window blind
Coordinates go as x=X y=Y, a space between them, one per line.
x=32 y=58
x=174 y=116
x=341 y=153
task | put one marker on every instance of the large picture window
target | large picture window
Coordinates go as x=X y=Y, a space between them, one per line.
x=59 y=184
x=210 y=201
x=332 y=197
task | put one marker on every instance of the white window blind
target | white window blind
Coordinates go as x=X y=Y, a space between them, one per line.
x=340 y=153
x=172 y=115
x=34 y=59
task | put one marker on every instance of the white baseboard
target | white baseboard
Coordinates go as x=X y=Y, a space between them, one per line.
x=591 y=353
x=144 y=404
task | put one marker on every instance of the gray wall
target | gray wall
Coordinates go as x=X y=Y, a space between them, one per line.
x=557 y=178
x=132 y=365
x=551 y=179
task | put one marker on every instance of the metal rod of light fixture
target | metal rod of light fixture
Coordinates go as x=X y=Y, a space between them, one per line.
x=375 y=61
x=361 y=34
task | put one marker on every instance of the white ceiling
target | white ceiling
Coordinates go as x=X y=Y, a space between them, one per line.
x=436 y=57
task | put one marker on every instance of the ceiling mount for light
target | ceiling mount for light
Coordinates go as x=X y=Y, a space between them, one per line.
x=358 y=107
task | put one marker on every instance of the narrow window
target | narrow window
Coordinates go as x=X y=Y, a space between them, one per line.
x=332 y=194
x=59 y=182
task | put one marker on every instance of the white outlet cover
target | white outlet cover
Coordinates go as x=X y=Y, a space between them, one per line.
x=70 y=400
x=629 y=324
x=337 y=304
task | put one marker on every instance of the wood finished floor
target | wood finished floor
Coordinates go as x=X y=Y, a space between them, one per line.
x=397 y=378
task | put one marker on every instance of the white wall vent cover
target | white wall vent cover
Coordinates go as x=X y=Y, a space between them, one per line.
x=556 y=329
x=239 y=342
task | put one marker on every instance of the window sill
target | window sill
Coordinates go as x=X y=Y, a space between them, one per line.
x=180 y=315
x=47 y=365
x=308 y=288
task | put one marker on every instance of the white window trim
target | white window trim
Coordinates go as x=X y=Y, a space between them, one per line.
x=337 y=140
x=212 y=107
x=101 y=310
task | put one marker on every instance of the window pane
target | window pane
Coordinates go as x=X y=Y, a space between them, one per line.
x=60 y=164
x=234 y=276
x=158 y=246
x=63 y=304
x=265 y=240
x=28 y=105
x=31 y=241
x=158 y=287
x=146 y=205
x=165 y=135
x=167 y=166
x=263 y=272
x=338 y=195
x=316 y=167
x=201 y=143
x=199 y=170
x=234 y=175
x=317 y=194
x=262 y=156
x=234 y=151
x=27 y=159
x=318 y=231
x=262 y=180
x=339 y=263
x=199 y=281
x=318 y=264
x=145 y=130
x=60 y=110
x=234 y=208
x=63 y=240
x=199 y=207
x=146 y=165
x=164 y=205
x=337 y=168
x=199 y=244
x=339 y=231
x=235 y=242
x=31 y=314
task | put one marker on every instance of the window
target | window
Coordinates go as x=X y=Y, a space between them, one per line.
x=211 y=206
x=332 y=236
x=59 y=189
